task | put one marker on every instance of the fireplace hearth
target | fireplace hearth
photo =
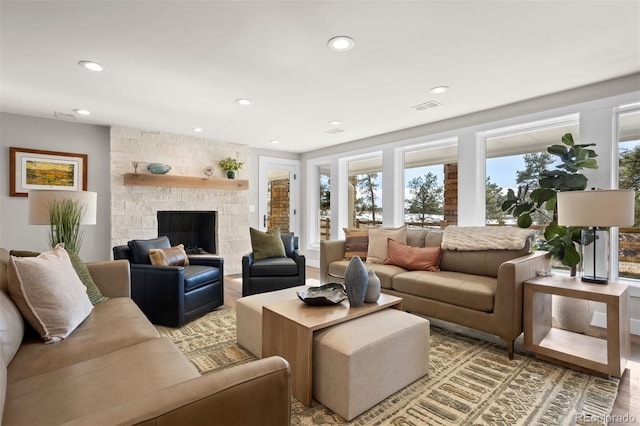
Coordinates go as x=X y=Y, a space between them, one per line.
x=196 y=230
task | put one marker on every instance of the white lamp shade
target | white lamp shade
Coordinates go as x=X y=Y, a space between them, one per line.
x=614 y=207
x=39 y=201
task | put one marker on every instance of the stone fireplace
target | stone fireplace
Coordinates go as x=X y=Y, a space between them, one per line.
x=134 y=209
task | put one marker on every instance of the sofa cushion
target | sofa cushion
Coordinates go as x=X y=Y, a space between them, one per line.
x=197 y=275
x=67 y=393
x=413 y=258
x=4 y=263
x=481 y=262
x=416 y=237
x=47 y=291
x=384 y=272
x=114 y=324
x=140 y=248
x=469 y=291
x=356 y=243
x=172 y=256
x=266 y=244
x=274 y=267
x=377 y=251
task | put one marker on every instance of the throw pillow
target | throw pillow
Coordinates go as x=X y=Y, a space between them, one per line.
x=11 y=328
x=172 y=256
x=356 y=243
x=47 y=291
x=378 y=250
x=140 y=248
x=94 y=293
x=266 y=244
x=413 y=258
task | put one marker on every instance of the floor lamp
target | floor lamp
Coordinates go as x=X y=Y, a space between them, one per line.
x=594 y=210
x=41 y=203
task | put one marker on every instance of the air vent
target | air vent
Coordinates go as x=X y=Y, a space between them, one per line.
x=334 y=131
x=426 y=105
x=64 y=115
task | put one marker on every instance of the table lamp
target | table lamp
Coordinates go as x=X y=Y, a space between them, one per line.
x=594 y=210
x=64 y=211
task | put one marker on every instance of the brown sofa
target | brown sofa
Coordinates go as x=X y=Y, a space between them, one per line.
x=116 y=369
x=481 y=289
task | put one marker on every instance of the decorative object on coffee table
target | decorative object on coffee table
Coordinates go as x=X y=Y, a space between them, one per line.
x=373 y=287
x=355 y=280
x=328 y=294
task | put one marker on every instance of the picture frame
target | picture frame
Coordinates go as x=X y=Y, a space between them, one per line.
x=39 y=169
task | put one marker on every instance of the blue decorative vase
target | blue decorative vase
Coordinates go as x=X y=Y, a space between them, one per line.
x=355 y=281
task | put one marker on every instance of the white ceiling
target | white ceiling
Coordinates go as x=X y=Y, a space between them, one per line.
x=175 y=65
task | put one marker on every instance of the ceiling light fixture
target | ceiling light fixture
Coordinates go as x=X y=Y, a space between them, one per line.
x=274 y=141
x=90 y=65
x=335 y=122
x=341 y=43
x=82 y=111
x=439 y=89
x=197 y=129
x=244 y=101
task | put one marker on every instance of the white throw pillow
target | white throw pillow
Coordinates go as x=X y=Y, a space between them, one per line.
x=378 y=247
x=49 y=293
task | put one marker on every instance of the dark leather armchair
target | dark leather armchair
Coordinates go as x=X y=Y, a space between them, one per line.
x=274 y=273
x=172 y=295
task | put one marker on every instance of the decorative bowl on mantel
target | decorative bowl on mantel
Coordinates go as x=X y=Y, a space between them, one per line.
x=328 y=294
x=158 y=168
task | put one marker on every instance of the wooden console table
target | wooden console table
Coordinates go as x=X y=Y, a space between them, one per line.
x=606 y=356
x=288 y=327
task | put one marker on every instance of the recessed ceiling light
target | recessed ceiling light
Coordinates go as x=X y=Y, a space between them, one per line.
x=439 y=89
x=341 y=43
x=197 y=129
x=90 y=65
x=274 y=141
x=335 y=122
x=82 y=111
x=244 y=101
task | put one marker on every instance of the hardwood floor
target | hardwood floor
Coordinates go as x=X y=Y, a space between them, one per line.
x=627 y=406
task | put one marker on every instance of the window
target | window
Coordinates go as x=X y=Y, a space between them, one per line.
x=629 y=178
x=514 y=161
x=430 y=186
x=325 y=202
x=365 y=187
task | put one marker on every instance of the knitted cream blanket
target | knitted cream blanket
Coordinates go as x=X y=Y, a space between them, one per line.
x=465 y=238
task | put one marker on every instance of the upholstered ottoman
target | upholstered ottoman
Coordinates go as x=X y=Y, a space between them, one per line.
x=358 y=363
x=249 y=316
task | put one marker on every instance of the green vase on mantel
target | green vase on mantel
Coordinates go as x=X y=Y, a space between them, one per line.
x=231 y=174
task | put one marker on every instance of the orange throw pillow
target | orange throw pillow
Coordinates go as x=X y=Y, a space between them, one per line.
x=413 y=258
x=174 y=256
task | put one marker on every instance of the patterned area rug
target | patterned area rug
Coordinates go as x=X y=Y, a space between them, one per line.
x=470 y=382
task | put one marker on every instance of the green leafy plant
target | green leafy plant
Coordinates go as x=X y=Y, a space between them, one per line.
x=64 y=217
x=230 y=164
x=560 y=241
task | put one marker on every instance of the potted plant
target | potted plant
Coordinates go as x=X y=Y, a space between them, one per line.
x=560 y=241
x=231 y=166
x=64 y=217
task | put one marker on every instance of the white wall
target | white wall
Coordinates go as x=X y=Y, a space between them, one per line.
x=54 y=135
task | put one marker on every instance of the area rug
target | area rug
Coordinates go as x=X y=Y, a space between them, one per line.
x=470 y=382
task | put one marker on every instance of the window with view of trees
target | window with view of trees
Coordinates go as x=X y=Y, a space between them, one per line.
x=430 y=182
x=365 y=185
x=629 y=178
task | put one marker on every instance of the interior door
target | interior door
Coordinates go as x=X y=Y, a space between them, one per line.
x=279 y=194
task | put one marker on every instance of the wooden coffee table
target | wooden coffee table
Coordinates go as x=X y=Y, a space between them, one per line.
x=288 y=327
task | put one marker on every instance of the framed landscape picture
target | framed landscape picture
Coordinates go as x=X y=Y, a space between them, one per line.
x=38 y=169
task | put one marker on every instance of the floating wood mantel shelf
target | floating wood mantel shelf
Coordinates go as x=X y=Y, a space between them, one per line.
x=147 y=179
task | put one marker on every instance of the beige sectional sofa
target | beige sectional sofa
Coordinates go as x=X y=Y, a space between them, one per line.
x=481 y=289
x=116 y=369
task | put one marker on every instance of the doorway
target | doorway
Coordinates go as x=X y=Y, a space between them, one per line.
x=279 y=194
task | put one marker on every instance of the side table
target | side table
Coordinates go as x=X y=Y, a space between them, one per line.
x=606 y=356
